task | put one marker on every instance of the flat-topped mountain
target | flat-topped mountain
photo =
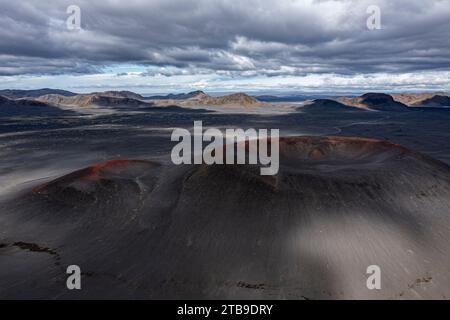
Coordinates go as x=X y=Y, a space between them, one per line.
x=324 y=105
x=375 y=101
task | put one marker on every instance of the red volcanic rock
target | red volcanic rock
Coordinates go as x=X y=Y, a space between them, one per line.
x=316 y=154
x=96 y=172
x=98 y=179
x=335 y=147
x=93 y=173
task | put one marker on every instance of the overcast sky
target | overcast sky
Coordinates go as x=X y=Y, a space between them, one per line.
x=157 y=46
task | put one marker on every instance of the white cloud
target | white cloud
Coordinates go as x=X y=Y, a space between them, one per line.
x=254 y=42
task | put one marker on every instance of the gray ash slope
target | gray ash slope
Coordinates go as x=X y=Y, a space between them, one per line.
x=147 y=229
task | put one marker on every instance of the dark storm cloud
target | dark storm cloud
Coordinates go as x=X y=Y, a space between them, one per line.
x=234 y=38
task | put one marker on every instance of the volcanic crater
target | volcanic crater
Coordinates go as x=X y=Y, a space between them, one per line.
x=337 y=205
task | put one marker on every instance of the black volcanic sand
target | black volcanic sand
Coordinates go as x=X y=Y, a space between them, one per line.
x=149 y=229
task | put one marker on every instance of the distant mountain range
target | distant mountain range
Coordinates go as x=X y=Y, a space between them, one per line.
x=237 y=99
x=381 y=102
x=436 y=99
x=368 y=101
x=293 y=98
x=178 y=96
x=25 y=106
x=20 y=102
x=127 y=98
x=120 y=94
x=93 y=99
x=327 y=105
x=15 y=94
x=374 y=101
x=200 y=98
